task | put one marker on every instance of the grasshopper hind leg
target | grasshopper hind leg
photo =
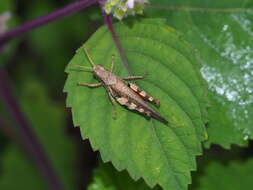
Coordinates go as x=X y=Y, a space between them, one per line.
x=132 y=106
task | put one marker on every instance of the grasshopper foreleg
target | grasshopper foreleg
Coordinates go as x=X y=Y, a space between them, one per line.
x=110 y=94
x=90 y=85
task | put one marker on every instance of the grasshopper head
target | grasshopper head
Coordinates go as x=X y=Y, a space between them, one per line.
x=99 y=71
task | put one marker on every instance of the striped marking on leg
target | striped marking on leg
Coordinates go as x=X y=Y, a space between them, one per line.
x=143 y=94
x=143 y=111
x=122 y=100
x=132 y=106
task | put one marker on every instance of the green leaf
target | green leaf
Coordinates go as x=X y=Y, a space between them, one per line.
x=235 y=175
x=222 y=32
x=160 y=154
x=220 y=130
x=48 y=121
x=105 y=177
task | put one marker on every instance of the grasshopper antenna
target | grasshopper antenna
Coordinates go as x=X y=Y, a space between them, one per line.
x=90 y=60
x=88 y=56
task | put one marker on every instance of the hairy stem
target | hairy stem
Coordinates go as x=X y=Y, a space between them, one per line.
x=43 y=20
x=201 y=9
x=108 y=22
x=28 y=137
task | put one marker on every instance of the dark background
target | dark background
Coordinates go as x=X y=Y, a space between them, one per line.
x=35 y=63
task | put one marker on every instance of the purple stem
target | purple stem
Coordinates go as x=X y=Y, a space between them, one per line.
x=28 y=137
x=43 y=20
x=108 y=22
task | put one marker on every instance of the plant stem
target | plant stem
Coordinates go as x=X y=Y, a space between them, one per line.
x=201 y=9
x=43 y=20
x=28 y=137
x=108 y=22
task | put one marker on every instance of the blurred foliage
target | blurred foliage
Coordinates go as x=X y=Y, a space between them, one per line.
x=48 y=120
x=233 y=176
x=106 y=177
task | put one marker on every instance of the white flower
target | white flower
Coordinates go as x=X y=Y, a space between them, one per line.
x=4 y=17
x=130 y=4
x=123 y=8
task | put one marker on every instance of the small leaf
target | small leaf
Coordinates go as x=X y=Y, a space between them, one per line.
x=160 y=154
x=235 y=175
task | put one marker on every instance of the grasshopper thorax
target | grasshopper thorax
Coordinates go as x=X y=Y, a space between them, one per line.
x=103 y=75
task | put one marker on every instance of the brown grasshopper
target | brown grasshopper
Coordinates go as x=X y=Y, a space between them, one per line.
x=127 y=94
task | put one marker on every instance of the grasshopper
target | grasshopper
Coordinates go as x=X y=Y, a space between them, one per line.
x=126 y=94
